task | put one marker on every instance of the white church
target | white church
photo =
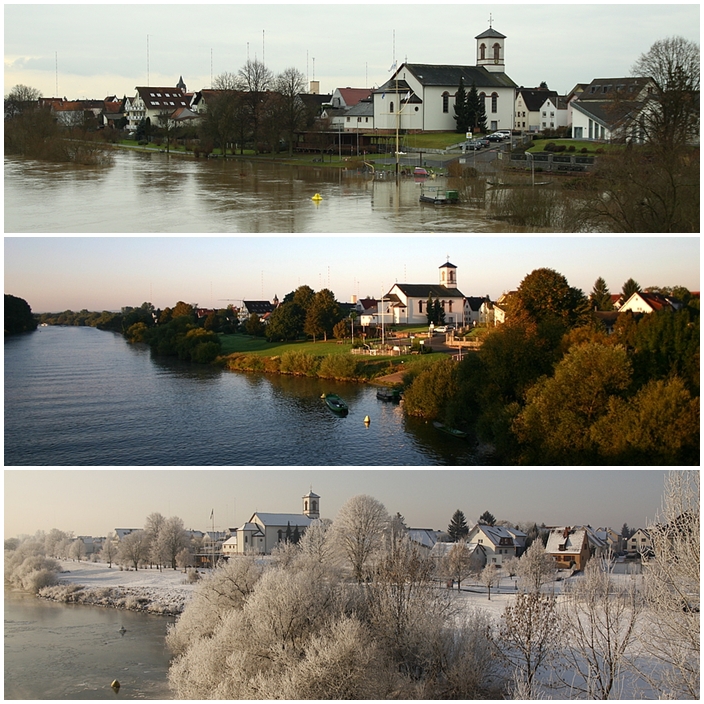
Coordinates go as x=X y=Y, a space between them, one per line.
x=422 y=96
x=406 y=304
x=264 y=531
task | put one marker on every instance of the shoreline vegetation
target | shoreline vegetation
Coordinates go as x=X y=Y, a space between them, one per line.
x=565 y=380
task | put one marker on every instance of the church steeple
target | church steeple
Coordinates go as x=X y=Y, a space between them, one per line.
x=448 y=275
x=311 y=505
x=490 y=50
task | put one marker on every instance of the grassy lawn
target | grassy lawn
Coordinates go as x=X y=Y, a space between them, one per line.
x=591 y=147
x=246 y=344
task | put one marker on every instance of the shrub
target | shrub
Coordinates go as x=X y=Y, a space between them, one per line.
x=571 y=148
x=338 y=366
x=299 y=364
x=583 y=150
x=549 y=147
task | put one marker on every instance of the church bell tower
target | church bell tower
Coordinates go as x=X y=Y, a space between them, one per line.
x=490 y=50
x=448 y=275
x=311 y=505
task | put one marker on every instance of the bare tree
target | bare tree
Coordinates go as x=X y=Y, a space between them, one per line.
x=20 y=99
x=600 y=618
x=317 y=541
x=134 y=549
x=528 y=638
x=672 y=589
x=490 y=577
x=457 y=564
x=673 y=118
x=227 y=81
x=290 y=83
x=109 y=550
x=77 y=550
x=359 y=531
x=172 y=539
x=535 y=567
x=256 y=79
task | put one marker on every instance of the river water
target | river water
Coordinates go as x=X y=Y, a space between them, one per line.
x=144 y=192
x=64 y=651
x=81 y=396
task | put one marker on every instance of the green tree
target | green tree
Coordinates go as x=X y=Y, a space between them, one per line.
x=429 y=393
x=254 y=326
x=430 y=310
x=461 y=112
x=18 y=315
x=629 y=288
x=556 y=423
x=600 y=297
x=322 y=314
x=488 y=518
x=184 y=309
x=438 y=313
x=286 y=322
x=458 y=529
x=544 y=294
x=476 y=110
x=659 y=425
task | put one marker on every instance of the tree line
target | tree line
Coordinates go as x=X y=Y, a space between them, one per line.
x=550 y=386
x=18 y=316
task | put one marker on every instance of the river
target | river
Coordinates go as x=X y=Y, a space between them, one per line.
x=81 y=396
x=143 y=192
x=64 y=651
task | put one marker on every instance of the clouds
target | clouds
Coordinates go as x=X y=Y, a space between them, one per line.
x=341 y=44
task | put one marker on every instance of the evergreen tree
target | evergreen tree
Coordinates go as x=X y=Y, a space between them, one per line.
x=295 y=538
x=289 y=534
x=476 y=113
x=629 y=288
x=626 y=532
x=600 y=297
x=487 y=518
x=429 y=310
x=461 y=112
x=458 y=526
x=438 y=313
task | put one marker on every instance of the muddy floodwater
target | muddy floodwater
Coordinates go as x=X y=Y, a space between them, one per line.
x=142 y=192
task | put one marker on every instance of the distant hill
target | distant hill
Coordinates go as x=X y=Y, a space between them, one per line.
x=18 y=315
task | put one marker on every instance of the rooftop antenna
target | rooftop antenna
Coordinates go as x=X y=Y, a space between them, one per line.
x=211 y=67
x=147 y=59
x=247 y=52
x=56 y=65
x=314 y=68
x=263 y=50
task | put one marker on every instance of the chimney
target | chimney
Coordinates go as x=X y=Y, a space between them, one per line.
x=566 y=532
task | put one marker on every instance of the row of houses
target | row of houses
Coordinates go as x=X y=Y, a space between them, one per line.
x=417 y=97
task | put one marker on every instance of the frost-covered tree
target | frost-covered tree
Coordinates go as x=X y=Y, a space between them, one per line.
x=528 y=639
x=672 y=595
x=222 y=592
x=317 y=541
x=600 y=617
x=535 y=567
x=457 y=564
x=172 y=539
x=77 y=551
x=359 y=530
x=490 y=577
x=133 y=549
x=152 y=529
x=109 y=551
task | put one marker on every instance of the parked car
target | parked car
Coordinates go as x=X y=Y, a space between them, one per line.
x=506 y=132
x=484 y=142
x=473 y=145
x=496 y=137
x=445 y=328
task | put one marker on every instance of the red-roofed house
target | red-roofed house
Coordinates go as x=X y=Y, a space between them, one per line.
x=642 y=302
x=347 y=97
x=150 y=102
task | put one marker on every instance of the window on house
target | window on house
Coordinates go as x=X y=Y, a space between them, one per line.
x=494 y=102
x=391 y=106
x=420 y=306
x=445 y=102
x=449 y=304
x=497 y=52
x=544 y=113
x=366 y=119
x=552 y=114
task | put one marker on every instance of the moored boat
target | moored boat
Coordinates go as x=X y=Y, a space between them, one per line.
x=335 y=404
x=386 y=394
x=450 y=431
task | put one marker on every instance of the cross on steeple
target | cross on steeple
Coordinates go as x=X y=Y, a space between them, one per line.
x=491 y=19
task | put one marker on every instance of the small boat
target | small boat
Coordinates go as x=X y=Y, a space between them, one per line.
x=386 y=394
x=420 y=171
x=336 y=404
x=438 y=197
x=450 y=431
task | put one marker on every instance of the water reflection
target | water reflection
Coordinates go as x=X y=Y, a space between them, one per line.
x=160 y=193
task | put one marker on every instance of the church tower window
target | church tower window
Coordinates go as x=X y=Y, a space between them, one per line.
x=445 y=102
x=482 y=51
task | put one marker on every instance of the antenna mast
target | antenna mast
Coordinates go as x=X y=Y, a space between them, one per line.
x=147 y=59
x=56 y=66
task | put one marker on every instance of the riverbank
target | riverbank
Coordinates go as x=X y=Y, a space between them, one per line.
x=154 y=591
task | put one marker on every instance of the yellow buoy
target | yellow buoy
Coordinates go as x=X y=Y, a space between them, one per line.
x=317 y=196
x=115 y=685
x=367 y=420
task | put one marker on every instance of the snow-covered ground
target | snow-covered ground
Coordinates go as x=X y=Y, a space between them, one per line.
x=165 y=591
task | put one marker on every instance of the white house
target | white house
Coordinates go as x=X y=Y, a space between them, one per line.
x=640 y=542
x=406 y=304
x=553 y=113
x=498 y=542
x=607 y=108
x=421 y=96
x=642 y=302
x=529 y=102
x=151 y=102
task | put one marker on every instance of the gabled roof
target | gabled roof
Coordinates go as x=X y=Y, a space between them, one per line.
x=497 y=533
x=490 y=33
x=423 y=536
x=609 y=113
x=656 y=301
x=352 y=96
x=566 y=541
x=258 y=307
x=633 y=89
x=449 y=75
x=425 y=290
x=364 y=108
x=164 y=99
x=282 y=519
x=476 y=302
x=535 y=97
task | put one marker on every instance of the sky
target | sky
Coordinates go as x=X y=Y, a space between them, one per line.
x=54 y=274
x=94 y=50
x=95 y=501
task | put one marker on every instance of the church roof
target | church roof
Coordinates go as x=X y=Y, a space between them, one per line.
x=282 y=519
x=425 y=290
x=448 y=265
x=311 y=495
x=448 y=75
x=490 y=33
